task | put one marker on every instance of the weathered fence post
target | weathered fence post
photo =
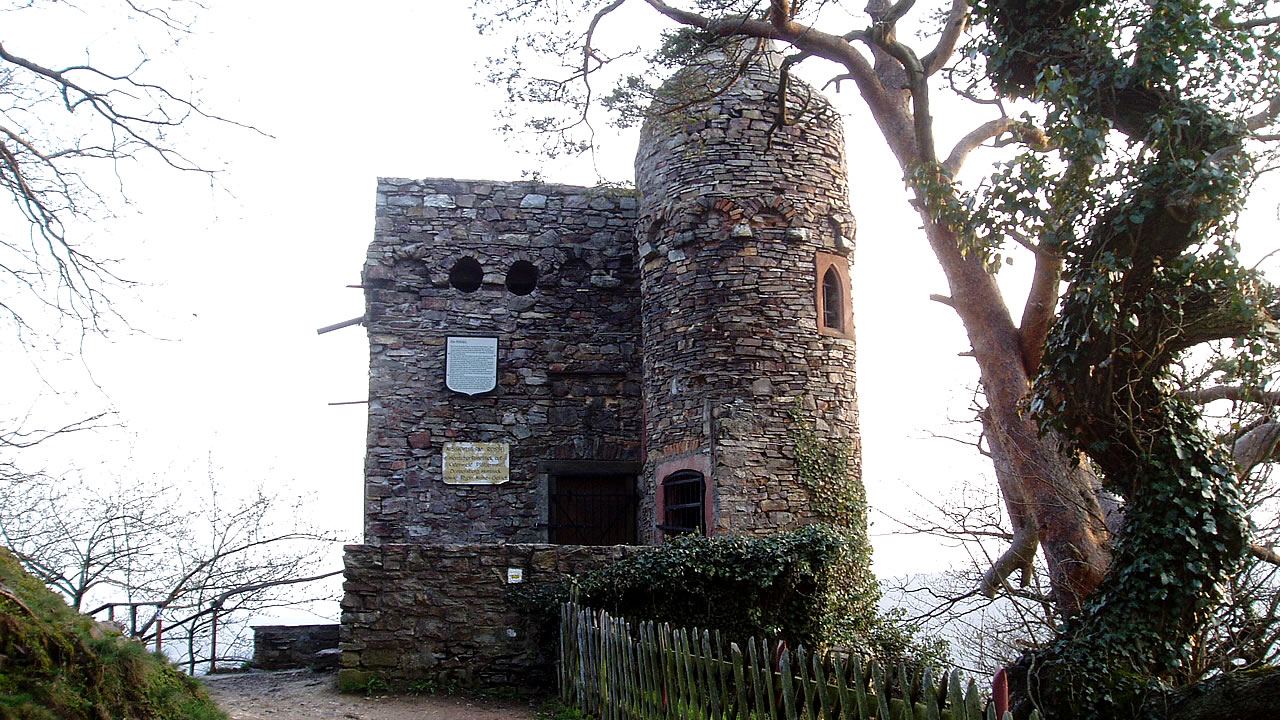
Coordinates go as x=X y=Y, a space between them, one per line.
x=616 y=670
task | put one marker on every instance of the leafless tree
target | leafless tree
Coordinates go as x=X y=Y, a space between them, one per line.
x=190 y=559
x=68 y=126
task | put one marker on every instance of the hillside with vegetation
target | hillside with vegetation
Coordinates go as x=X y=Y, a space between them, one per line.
x=56 y=663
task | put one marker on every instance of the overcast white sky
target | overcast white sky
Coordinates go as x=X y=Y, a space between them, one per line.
x=237 y=278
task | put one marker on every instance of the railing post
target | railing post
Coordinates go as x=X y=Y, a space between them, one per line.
x=213 y=640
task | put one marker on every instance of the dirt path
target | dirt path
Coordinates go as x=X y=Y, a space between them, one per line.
x=304 y=695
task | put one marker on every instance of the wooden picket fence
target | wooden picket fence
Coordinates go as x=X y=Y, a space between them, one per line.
x=613 y=669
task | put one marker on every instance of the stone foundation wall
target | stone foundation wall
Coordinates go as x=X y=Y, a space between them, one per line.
x=280 y=647
x=444 y=613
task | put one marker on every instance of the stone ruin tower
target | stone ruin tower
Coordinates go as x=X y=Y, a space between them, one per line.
x=558 y=374
x=744 y=237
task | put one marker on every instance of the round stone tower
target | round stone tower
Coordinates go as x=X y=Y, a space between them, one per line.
x=744 y=239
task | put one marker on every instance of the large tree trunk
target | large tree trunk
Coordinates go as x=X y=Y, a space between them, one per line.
x=1137 y=296
x=1045 y=485
x=1047 y=492
x=1239 y=696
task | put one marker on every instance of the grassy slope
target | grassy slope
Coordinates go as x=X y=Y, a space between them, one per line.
x=55 y=663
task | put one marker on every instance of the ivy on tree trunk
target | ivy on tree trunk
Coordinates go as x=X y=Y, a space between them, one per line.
x=1151 y=274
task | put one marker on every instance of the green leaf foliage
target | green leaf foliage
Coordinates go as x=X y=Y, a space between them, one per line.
x=1148 y=170
x=776 y=586
x=837 y=495
x=739 y=585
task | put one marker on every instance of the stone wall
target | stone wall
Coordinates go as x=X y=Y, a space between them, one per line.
x=568 y=380
x=738 y=210
x=279 y=647
x=444 y=612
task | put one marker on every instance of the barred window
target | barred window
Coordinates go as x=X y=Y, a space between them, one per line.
x=592 y=510
x=683 y=508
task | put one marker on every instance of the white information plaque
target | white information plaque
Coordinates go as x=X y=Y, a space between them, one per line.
x=471 y=364
x=467 y=463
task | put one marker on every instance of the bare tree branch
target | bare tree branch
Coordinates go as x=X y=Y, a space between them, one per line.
x=56 y=123
x=1264 y=553
x=952 y=31
x=1018 y=557
x=883 y=36
x=20 y=439
x=896 y=12
x=1251 y=24
x=724 y=27
x=803 y=37
x=589 y=54
x=780 y=12
x=1264 y=117
x=1255 y=447
x=1025 y=133
x=1234 y=393
x=1040 y=309
x=1026 y=540
x=974 y=139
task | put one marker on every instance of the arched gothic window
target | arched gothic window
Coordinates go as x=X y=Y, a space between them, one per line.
x=832 y=301
x=835 y=310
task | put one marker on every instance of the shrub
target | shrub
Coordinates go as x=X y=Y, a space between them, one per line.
x=743 y=586
x=777 y=586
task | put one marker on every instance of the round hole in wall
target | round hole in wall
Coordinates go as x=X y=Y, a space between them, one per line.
x=522 y=278
x=466 y=275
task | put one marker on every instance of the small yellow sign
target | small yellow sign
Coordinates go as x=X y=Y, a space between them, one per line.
x=468 y=463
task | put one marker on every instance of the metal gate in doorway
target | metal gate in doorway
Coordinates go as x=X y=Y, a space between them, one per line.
x=592 y=510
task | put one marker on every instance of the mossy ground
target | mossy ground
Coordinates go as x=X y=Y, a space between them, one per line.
x=56 y=663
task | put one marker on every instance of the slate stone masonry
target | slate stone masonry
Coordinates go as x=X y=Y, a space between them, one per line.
x=640 y=334
x=736 y=207
x=280 y=647
x=568 y=351
x=446 y=611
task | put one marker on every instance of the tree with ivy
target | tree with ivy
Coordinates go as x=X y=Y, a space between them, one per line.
x=1139 y=128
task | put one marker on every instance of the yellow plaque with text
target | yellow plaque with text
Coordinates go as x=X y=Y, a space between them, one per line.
x=476 y=463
